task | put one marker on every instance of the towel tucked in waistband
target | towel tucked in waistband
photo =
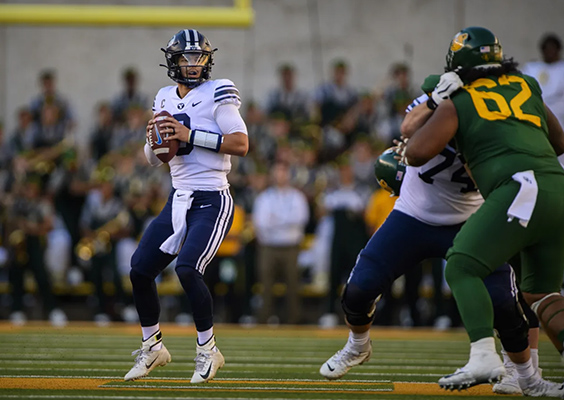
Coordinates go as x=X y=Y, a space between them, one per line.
x=524 y=203
x=181 y=203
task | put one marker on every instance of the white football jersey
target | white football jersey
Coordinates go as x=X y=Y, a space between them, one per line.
x=193 y=167
x=439 y=192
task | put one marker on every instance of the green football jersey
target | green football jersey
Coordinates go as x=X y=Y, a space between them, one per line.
x=502 y=129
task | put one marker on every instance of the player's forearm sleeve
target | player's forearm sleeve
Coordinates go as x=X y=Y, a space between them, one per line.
x=151 y=157
x=229 y=119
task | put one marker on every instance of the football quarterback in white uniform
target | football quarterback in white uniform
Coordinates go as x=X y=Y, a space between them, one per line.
x=196 y=167
x=199 y=212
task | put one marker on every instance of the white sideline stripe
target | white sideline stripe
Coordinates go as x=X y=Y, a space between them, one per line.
x=118 y=370
x=302 y=365
x=320 y=381
x=188 y=379
x=303 y=343
x=232 y=348
x=299 y=389
x=128 y=338
x=239 y=360
x=277 y=347
x=546 y=365
x=240 y=353
x=182 y=378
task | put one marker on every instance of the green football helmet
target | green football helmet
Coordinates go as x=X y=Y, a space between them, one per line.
x=389 y=171
x=473 y=46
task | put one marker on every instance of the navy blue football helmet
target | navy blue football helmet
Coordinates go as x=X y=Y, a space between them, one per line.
x=197 y=51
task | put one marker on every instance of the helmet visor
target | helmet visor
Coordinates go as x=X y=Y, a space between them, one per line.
x=196 y=59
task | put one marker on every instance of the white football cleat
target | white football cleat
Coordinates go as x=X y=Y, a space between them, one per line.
x=509 y=384
x=538 y=387
x=483 y=367
x=343 y=360
x=148 y=359
x=208 y=360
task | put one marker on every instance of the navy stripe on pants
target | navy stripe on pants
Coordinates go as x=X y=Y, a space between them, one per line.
x=208 y=221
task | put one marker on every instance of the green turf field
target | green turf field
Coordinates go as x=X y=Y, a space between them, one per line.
x=86 y=362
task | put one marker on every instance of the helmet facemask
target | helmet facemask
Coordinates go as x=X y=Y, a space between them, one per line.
x=189 y=68
x=189 y=62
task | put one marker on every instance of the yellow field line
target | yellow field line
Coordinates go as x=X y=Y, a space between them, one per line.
x=94 y=383
x=433 y=389
x=50 y=383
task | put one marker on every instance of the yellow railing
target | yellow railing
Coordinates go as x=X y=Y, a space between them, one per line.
x=241 y=15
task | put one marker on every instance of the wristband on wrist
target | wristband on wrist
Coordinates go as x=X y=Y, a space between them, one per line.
x=208 y=140
x=431 y=104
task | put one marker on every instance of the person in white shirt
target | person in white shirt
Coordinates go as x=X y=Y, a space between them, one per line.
x=280 y=214
x=550 y=75
x=198 y=214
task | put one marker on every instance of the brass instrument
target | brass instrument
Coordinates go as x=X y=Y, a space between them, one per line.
x=43 y=161
x=101 y=240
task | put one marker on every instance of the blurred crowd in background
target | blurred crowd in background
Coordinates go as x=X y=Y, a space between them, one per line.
x=306 y=203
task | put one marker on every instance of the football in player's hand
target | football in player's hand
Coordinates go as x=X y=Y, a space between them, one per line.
x=165 y=150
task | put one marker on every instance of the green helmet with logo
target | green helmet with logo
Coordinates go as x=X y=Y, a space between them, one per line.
x=389 y=171
x=473 y=46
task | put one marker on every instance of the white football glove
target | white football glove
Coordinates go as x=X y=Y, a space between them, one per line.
x=449 y=83
x=400 y=148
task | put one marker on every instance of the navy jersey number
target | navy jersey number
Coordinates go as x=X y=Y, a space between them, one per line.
x=185 y=148
x=459 y=176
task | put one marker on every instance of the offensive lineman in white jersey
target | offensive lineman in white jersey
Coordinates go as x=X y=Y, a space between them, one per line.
x=199 y=211
x=435 y=200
